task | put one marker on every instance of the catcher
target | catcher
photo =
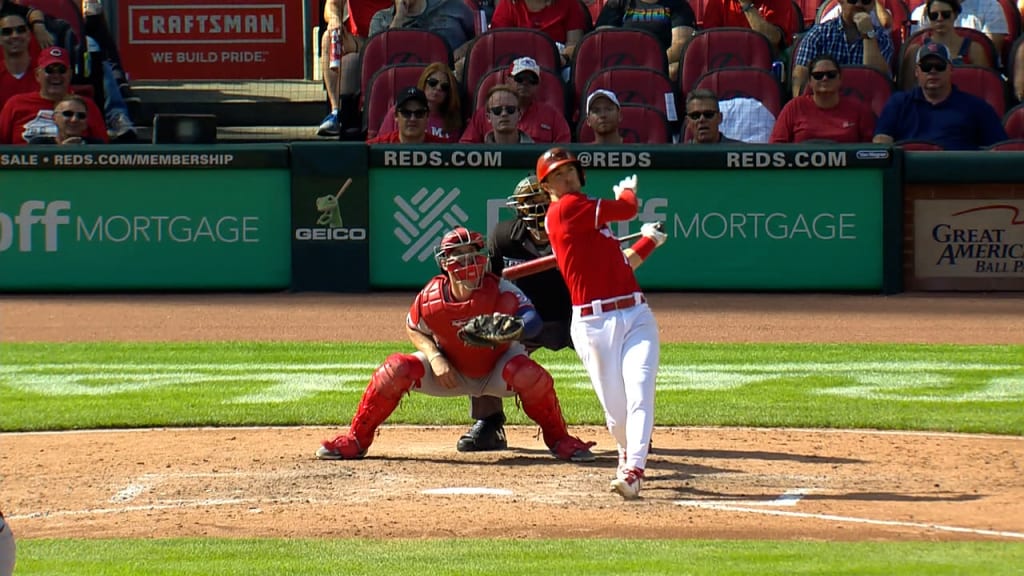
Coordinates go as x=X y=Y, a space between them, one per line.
x=465 y=324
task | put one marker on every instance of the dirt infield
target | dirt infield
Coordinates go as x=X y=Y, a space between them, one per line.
x=703 y=482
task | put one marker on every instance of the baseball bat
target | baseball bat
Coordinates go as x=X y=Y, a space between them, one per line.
x=343 y=188
x=544 y=263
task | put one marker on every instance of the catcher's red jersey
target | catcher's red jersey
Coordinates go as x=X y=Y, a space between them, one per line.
x=435 y=313
x=592 y=263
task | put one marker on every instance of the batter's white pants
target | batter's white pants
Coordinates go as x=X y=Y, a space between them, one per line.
x=621 y=351
x=6 y=549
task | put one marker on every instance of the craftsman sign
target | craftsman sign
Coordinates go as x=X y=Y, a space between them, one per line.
x=212 y=40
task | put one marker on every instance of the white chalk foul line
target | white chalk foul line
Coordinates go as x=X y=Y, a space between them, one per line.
x=123 y=509
x=850 y=519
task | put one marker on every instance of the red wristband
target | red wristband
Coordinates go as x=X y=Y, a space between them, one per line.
x=644 y=247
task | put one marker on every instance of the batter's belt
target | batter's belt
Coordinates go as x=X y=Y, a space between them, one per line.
x=612 y=304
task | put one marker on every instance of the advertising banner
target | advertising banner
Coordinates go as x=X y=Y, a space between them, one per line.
x=330 y=217
x=729 y=229
x=211 y=39
x=144 y=227
x=969 y=238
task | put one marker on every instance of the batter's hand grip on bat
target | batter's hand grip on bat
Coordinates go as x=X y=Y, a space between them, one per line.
x=527 y=268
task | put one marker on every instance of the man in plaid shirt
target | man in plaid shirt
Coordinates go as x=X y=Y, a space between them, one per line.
x=851 y=39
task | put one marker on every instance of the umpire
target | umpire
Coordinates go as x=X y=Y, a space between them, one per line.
x=513 y=242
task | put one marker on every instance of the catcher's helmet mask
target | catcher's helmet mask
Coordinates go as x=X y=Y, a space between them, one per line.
x=462 y=255
x=530 y=203
x=556 y=158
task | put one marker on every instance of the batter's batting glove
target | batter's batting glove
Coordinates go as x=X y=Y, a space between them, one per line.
x=655 y=231
x=628 y=183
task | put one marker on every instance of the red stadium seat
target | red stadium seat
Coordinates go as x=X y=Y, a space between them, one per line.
x=985 y=83
x=1015 y=145
x=698 y=10
x=381 y=90
x=615 y=47
x=635 y=85
x=723 y=48
x=809 y=10
x=640 y=125
x=500 y=46
x=401 y=46
x=550 y=90
x=1013 y=122
x=919 y=145
x=729 y=83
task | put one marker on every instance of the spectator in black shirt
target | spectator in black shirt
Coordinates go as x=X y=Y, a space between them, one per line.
x=672 y=21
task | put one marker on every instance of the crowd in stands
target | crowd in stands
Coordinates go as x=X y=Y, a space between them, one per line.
x=60 y=76
x=924 y=74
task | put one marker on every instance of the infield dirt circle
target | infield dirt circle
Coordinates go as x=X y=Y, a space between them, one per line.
x=702 y=483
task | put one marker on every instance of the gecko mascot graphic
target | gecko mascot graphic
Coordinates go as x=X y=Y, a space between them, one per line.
x=330 y=211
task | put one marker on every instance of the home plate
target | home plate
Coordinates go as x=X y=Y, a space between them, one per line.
x=470 y=491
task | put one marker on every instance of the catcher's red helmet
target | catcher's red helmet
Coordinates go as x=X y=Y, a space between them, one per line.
x=463 y=265
x=554 y=158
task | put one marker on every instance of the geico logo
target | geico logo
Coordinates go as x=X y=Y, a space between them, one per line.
x=31 y=213
x=330 y=233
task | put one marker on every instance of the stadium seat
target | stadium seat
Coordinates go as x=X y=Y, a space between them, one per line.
x=401 y=46
x=635 y=85
x=481 y=16
x=748 y=82
x=594 y=9
x=1013 y=122
x=983 y=82
x=809 y=10
x=381 y=90
x=550 y=90
x=641 y=124
x=723 y=48
x=798 y=18
x=698 y=10
x=500 y=46
x=615 y=47
x=919 y=145
x=1014 y=145
x=1013 y=23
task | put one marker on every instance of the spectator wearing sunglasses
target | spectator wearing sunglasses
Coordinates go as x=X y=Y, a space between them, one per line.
x=503 y=114
x=941 y=14
x=542 y=121
x=936 y=110
x=703 y=119
x=16 y=75
x=985 y=16
x=411 y=111
x=851 y=39
x=35 y=18
x=70 y=115
x=30 y=115
x=772 y=18
x=445 y=119
x=824 y=114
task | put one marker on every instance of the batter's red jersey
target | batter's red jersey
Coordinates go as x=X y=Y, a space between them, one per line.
x=588 y=254
x=435 y=313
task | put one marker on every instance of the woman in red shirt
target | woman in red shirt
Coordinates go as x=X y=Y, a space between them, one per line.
x=824 y=113
x=562 y=20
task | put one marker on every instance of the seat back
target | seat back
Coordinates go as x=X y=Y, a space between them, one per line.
x=919 y=145
x=798 y=17
x=809 y=11
x=640 y=124
x=400 y=46
x=748 y=82
x=381 y=90
x=1013 y=122
x=615 y=47
x=867 y=85
x=500 y=46
x=1012 y=14
x=635 y=85
x=723 y=48
x=985 y=83
x=1014 y=145
x=550 y=90
x=483 y=11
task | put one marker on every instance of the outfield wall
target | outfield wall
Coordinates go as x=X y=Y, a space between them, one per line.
x=331 y=216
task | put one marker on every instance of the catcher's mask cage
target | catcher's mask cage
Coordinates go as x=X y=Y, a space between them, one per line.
x=462 y=254
x=555 y=158
x=530 y=203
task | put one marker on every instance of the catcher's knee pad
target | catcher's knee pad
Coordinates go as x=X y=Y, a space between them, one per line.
x=397 y=375
x=527 y=378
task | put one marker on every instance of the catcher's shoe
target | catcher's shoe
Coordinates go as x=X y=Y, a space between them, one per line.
x=341 y=448
x=573 y=449
x=627 y=483
x=486 y=435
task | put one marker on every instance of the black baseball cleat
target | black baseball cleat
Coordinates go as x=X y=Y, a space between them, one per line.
x=486 y=435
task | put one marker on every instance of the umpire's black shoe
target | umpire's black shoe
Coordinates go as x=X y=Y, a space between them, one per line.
x=487 y=434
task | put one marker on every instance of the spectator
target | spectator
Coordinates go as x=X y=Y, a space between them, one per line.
x=881 y=15
x=411 y=110
x=35 y=18
x=824 y=114
x=1018 y=72
x=112 y=89
x=542 y=121
x=773 y=18
x=332 y=46
x=70 y=115
x=937 y=111
x=445 y=120
x=503 y=114
x=985 y=16
x=29 y=115
x=940 y=25
x=703 y=119
x=672 y=21
x=16 y=74
x=851 y=39
x=604 y=116
x=561 y=20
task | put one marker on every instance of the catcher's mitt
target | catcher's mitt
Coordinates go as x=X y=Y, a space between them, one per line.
x=491 y=330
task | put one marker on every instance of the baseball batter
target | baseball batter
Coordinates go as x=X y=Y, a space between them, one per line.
x=6 y=548
x=445 y=366
x=514 y=241
x=613 y=329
